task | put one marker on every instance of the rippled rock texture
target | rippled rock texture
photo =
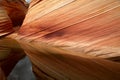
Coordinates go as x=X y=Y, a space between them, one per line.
x=80 y=26
x=5 y=23
x=16 y=10
x=10 y=50
x=71 y=39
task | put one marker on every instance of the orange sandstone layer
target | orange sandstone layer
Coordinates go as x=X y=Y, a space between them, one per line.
x=16 y=10
x=10 y=51
x=68 y=39
x=5 y=23
x=88 y=26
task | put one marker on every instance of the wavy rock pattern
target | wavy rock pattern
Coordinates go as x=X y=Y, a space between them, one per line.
x=68 y=39
x=65 y=39
x=76 y=25
x=16 y=10
x=10 y=54
x=5 y=23
x=10 y=51
x=53 y=63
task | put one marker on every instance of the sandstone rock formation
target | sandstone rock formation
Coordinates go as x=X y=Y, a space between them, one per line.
x=5 y=23
x=10 y=51
x=81 y=26
x=70 y=39
x=16 y=10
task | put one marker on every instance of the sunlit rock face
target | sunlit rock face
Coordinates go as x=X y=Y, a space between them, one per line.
x=64 y=39
x=70 y=39
x=16 y=10
x=54 y=63
x=87 y=26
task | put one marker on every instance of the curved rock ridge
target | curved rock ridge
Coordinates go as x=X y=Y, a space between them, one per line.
x=10 y=54
x=53 y=63
x=88 y=26
x=16 y=10
x=71 y=39
x=5 y=23
x=12 y=13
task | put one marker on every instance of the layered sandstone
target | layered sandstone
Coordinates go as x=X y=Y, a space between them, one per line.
x=71 y=39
